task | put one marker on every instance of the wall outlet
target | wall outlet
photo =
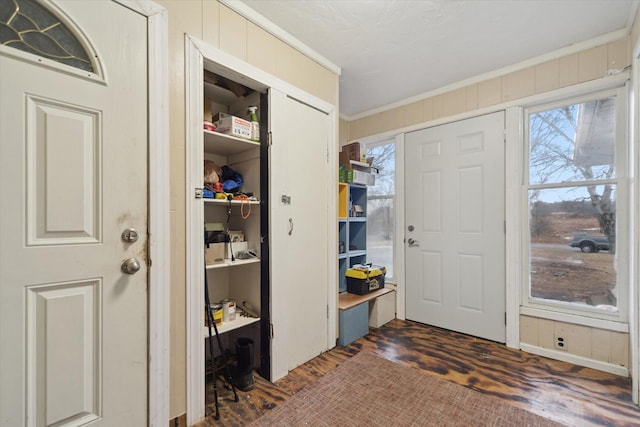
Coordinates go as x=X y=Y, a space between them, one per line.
x=560 y=342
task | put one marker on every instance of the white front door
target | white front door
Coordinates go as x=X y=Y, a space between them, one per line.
x=455 y=272
x=299 y=246
x=73 y=177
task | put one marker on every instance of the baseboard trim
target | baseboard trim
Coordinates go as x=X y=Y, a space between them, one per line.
x=576 y=360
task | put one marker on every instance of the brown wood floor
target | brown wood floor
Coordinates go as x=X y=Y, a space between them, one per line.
x=566 y=393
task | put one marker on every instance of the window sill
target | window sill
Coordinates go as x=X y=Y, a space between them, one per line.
x=609 y=325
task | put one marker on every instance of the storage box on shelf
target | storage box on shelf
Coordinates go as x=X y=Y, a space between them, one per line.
x=232 y=125
x=353 y=166
x=363 y=279
x=359 y=177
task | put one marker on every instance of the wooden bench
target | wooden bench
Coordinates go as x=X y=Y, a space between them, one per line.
x=354 y=314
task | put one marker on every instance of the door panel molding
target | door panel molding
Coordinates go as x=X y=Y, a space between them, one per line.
x=64 y=343
x=59 y=134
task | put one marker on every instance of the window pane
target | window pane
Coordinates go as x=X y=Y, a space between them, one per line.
x=572 y=245
x=384 y=160
x=380 y=226
x=27 y=25
x=380 y=219
x=573 y=142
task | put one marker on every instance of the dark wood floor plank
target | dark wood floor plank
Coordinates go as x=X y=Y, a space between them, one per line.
x=570 y=394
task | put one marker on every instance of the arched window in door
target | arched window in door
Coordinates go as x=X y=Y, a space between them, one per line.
x=28 y=26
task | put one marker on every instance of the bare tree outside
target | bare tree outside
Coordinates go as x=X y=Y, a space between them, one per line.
x=575 y=143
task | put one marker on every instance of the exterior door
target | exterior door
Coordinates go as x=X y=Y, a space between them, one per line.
x=73 y=177
x=455 y=272
x=299 y=260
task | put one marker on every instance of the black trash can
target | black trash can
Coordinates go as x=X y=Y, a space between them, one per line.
x=244 y=370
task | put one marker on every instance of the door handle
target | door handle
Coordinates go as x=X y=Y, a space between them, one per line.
x=413 y=243
x=130 y=266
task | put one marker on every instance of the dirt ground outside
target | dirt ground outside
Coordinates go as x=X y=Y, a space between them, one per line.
x=560 y=272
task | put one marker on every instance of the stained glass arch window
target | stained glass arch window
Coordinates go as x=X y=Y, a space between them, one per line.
x=29 y=26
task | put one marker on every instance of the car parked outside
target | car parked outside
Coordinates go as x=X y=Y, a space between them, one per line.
x=589 y=244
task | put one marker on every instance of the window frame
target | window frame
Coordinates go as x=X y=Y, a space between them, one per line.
x=623 y=209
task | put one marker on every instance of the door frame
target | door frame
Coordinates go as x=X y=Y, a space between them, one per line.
x=197 y=52
x=158 y=205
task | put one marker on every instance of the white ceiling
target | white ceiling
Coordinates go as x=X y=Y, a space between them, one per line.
x=391 y=50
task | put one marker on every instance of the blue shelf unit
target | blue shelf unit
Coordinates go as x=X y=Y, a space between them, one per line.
x=352 y=234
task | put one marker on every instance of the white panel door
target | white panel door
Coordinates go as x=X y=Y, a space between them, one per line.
x=299 y=261
x=455 y=272
x=73 y=147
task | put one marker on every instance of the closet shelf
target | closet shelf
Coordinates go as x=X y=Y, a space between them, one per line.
x=227 y=326
x=233 y=202
x=229 y=263
x=220 y=143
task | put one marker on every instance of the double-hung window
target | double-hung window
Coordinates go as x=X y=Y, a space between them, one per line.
x=577 y=199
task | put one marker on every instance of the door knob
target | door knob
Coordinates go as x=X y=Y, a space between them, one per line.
x=413 y=242
x=130 y=266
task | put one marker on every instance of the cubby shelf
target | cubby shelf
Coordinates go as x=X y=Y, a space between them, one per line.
x=343 y=200
x=352 y=230
x=357 y=219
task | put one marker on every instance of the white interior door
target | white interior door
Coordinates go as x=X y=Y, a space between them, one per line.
x=454 y=180
x=299 y=261
x=73 y=147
